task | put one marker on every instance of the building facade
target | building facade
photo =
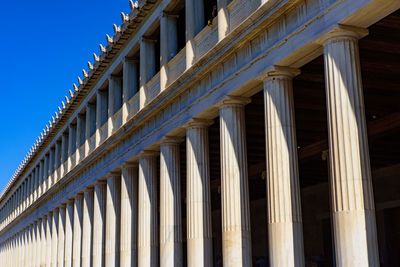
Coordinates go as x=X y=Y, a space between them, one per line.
x=221 y=133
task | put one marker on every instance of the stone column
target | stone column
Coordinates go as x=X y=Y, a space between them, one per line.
x=69 y=224
x=40 y=179
x=57 y=162
x=168 y=44
x=48 y=239
x=36 y=183
x=101 y=115
x=147 y=207
x=80 y=137
x=130 y=85
x=61 y=236
x=285 y=230
x=64 y=155
x=198 y=195
x=99 y=218
x=51 y=168
x=38 y=242
x=87 y=233
x=77 y=232
x=45 y=173
x=147 y=66
x=236 y=234
x=54 y=237
x=90 y=127
x=129 y=191
x=113 y=211
x=170 y=204
x=71 y=146
x=223 y=19
x=194 y=24
x=114 y=102
x=353 y=208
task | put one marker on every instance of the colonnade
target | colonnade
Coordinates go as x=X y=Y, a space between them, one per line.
x=116 y=222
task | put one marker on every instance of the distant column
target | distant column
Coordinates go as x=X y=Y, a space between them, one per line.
x=101 y=116
x=130 y=85
x=49 y=232
x=80 y=137
x=114 y=102
x=54 y=237
x=194 y=24
x=90 y=127
x=147 y=66
x=168 y=44
x=57 y=162
x=64 y=155
x=71 y=146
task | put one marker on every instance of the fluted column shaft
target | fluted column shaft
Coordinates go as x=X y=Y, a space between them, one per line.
x=198 y=196
x=351 y=184
x=69 y=226
x=80 y=136
x=168 y=44
x=64 y=155
x=170 y=204
x=285 y=230
x=90 y=127
x=54 y=237
x=194 y=24
x=130 y=85
x=113 y=210
x=129 y=191
x=57 y=162
x=87 y=228
x=77 y=232
x=236 y=234
x=101 y=115
x=114 y=101
x=147 y=66
x=49 y=232
x=147 y=207
x=61 y=236
x=38 y=244
x=99 y=219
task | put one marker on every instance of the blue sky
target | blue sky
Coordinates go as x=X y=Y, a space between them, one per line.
x=44 y=46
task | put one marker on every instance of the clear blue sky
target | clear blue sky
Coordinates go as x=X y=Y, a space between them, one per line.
x=44 y=46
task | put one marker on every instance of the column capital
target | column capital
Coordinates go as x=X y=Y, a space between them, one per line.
x=113 y=174
x=131 y=60
x=147 y=39
x=115 y=77
x=194 y=122
x=341 y=31
x=130 y=165
x=234 y=100
x=168 y=14
x=279 y=71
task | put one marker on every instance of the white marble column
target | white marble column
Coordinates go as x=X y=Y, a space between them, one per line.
x=113 y=211
x=64 y=155
x=77 y=231
x=90 y=127
x=80 y=137
x=194 y=24
x=71 y=146
x=170 y=204
x=61 y=236
x=147 y=208
x=285 y=230
x=40 y=182
x=47 y=253
x=130 y=85
x=28 y=247
x=147 y=66
x=69 y=226
x=57 y=162
x=38 y=243
x=236 y=234
x=353 y=208
x=99 y=218
x=129 y=191
x=101 y=116
x=198 y=195
x=87 y=228
x=32 y=247
x=114 y=102
x=54 y=237
x=51 y=167
x=223 y=19
x=45 y=173
x=168 y=44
